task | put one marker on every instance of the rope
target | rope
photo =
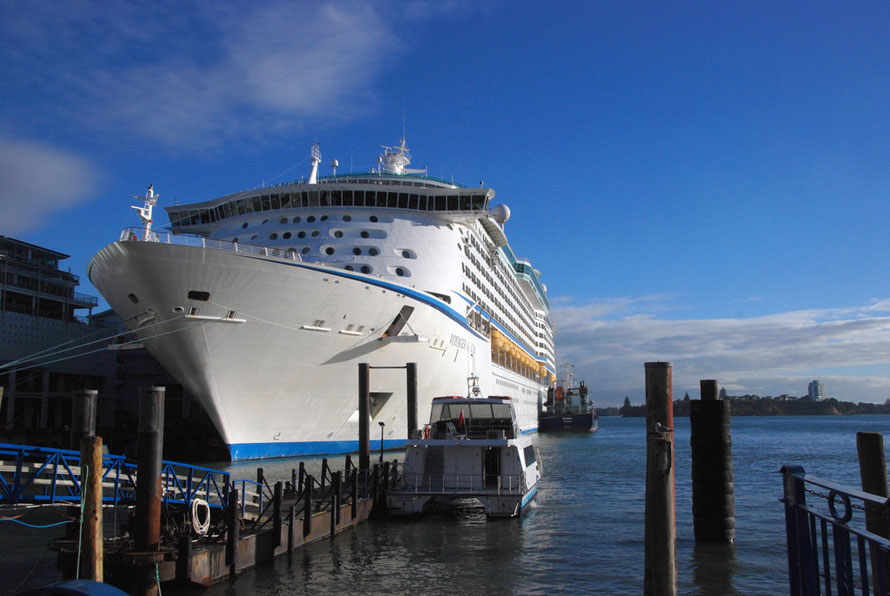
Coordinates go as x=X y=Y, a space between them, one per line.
x=10 y=519
x=83 y=503
x=158 y=579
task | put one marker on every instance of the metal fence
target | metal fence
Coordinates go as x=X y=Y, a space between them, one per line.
x=829 y=549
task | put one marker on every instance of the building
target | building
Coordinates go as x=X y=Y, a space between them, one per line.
x=816 y=390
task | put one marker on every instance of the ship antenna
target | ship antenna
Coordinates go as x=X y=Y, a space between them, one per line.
x=316 y=159
x=150 y=200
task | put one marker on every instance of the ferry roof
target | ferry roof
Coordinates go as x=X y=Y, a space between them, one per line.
x=458 y=399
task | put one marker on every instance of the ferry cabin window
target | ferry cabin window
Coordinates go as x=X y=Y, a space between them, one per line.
x=501 y=410
x=436 y=413
x=478 y=411
x=529 y=455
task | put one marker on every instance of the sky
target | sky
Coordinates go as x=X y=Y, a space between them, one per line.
x=703 y=183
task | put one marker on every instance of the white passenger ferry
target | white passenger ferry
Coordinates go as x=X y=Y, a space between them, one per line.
x=472 y=449
x=262 y=303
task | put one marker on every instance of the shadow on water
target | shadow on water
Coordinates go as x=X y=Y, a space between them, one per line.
x=713 y=569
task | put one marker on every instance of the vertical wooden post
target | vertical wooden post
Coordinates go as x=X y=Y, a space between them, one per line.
x=302 y=477
x=307 y=505
x=873 y=473
x=354 y=479
x=91 y=566
x=713 y=491
x=411 y=393
x=661 y=530
x=148 y=484
x=83 y=415
x=233 y=538
x=364 y=403
x=291 y=522
x=276 y=514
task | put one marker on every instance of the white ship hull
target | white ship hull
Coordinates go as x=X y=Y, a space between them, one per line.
x=272 y=353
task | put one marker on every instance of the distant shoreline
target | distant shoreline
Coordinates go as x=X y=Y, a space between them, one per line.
x=766 y=406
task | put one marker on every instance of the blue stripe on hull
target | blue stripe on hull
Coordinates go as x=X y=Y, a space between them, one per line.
x=244 y=451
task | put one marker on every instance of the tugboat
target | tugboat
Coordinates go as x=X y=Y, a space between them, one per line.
x=471 y=449
x=568 y=408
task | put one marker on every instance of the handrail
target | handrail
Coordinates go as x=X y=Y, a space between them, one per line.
x=136 y=234
x=445 y=483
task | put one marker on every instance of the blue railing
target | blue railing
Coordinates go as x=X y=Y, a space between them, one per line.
x=829 y=549
x=31 y=474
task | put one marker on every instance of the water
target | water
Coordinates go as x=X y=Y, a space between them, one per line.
x=585 y=531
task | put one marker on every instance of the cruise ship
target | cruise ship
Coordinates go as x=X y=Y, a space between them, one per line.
x=262 y=304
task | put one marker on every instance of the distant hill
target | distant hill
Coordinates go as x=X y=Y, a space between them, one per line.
x=754 y=405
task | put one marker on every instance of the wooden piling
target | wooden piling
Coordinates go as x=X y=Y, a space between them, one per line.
x=411 y=393
x=276 y=514
x=713 y=490
x=291 y=526
x=364 y=406
x=307 y=505
x=91 y=566
x=233 y=536
x=83 y=415
x=873 y=473
x=661 y=531
x=148 y=484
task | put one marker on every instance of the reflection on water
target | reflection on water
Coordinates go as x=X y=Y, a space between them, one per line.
x=713 y=568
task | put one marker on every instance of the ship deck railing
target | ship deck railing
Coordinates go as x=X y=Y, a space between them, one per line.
x=477 y=485
x=137 y=235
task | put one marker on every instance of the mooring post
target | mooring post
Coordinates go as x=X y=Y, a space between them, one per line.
x=291 y=522
x=276 y=514
x=873 y=473
x=713 y=491
x=302 y=477
x=411 y=392
x=661 y=529
x=148 y=483
x=354 y=479
x=364 y=402
x=83 y=415
x=307 y=505
x=184 y=558
x=233 y=537
x=91 y=566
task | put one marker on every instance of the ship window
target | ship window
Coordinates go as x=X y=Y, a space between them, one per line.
x=441 y=203
x=338 y=234
x=286 y=235
x=329 y=250
x=465 y=203
x=381 y=199
x=478 y=202
x=267 y=204
x=305 y=250
x=235 y=240
x=393 y=199
x=133 y=298
x=403 y=200
x=356 y=251
x=314 y=233
x=348 y=267
x=406 y=254
x=265 y=221
x=304 y=198
x=501 y=410
x=478 y=411
x=244 y=225
x=282 y=220
x=273 y=236
x=400 y=272
x=199 y=295
x=347 y=198
x=359 y=198
x=336 y=198
x=436 y=413
x=529 y=455
x=301 y=234
x=347 y=218
x=313 y=198
x=310 y=219
x=254 y=237
x=366 y=269
x=365 y=234
x=324 y=218
x=412 y=202
x=373 y=218
x=373 y=252
x=453 y=203
x=298 y=219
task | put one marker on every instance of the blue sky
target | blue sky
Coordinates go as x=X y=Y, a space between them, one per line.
x=704 y=183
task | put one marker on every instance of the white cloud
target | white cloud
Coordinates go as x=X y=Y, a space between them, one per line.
x=36 y=179
x=196 y=76
x=768 y=355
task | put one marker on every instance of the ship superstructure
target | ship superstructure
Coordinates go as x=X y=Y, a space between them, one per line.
x=263 y=302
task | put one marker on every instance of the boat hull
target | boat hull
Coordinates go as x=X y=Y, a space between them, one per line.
x=270 y=346
x=586 y=422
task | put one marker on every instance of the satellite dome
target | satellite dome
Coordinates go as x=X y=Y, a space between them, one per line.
x=501 y=213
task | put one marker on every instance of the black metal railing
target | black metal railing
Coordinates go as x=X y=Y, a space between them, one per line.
x=829 y=549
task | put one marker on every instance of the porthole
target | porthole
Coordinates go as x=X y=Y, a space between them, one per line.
x=329 y=250
x=356 y=251
x=373 y=218
x=244 y=225
x=400 y=272
x=235 y=240
x=301 y=234
x=178 y=310
x=365 y=234
x=366 y=269
x=324 y=218
x=286 y=235
x=347 y=218
x=253 y=237
x=373 y=252
x=297 y=219
x=305 y=250
x=283 y=220
x=348 y=268
x=314 y=233
x=338 y=234
x=265 y=221
x=273 y=236
x=133 y=298
x=310 y=219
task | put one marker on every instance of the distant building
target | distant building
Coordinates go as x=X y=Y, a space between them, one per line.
x=816 y=390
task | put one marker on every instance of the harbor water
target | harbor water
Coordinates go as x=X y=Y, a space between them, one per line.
x=584 y=532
